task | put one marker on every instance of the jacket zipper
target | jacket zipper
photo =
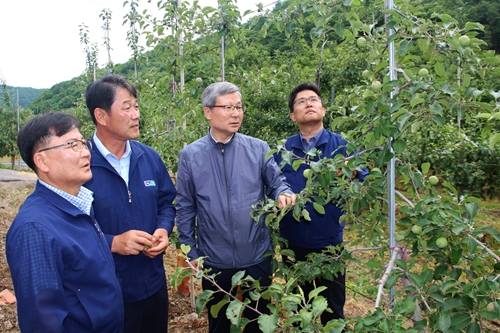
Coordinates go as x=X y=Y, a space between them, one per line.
x=228 y=201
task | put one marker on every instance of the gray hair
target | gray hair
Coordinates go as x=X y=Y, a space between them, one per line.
x=210 y=94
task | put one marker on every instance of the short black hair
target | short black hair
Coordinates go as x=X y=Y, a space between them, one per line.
x=37 y=132
x=101 y=93
x=300 y=87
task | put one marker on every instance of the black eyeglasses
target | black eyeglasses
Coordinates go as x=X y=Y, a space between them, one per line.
x=76 y=145
x=229 y=108
x=302 y=101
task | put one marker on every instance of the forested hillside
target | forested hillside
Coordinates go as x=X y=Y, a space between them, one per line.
x=26 y=96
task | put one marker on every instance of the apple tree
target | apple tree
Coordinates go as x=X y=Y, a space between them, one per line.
x=442 y=273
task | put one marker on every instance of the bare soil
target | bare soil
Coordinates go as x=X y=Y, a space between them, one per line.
x=182 y=316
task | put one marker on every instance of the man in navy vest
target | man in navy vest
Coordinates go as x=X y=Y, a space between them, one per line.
x=323 y=230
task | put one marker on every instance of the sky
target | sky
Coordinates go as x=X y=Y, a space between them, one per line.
x=40 y=39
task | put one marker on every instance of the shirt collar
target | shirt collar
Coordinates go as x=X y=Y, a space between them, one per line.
x=83 y=201
x=105 y=152
x=210 y=131
x=308 y=145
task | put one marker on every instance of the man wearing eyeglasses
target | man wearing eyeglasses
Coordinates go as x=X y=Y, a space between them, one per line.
x=133 y=200
x=63 y=272
x=219 y=178
x=304 y=237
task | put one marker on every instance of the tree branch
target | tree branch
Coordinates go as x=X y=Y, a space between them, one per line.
x=396 y=254
x=484 y=247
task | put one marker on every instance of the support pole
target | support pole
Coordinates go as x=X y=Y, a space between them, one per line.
x=391 y=175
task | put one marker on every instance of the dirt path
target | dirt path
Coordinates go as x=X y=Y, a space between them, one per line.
x=14 y=176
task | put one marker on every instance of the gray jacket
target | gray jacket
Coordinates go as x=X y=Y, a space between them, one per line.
x=218 y=184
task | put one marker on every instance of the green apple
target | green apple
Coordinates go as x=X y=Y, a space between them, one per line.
x=365 y=74
x=423 y=72
x=199 y=80
x=416 y=229
x=307 y=173
x=490 y=307
x=464 y=40
x=433 y=180
x=376 y=85
x=361 y=42
x=441 y=242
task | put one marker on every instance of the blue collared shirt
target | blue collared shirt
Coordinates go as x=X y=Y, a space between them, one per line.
x=83 y=201
x=122 y=166
x=312 y=141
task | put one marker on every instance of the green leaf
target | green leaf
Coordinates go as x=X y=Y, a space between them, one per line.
x=287 y=253
x=416 y=279
x=474 y=26
x=488 y=315
x=416 y=101
x=399 y=146
x=444 y=322
x=289 y=28
x=305 y=215
x=466 y=80
x=214 y=309
x=460 y=321
x=339 y=29
x=268 y=323
x=473 y=328
x=425 y=167
x=202 y=300
x=447 y=285
x=292 y=299
x=317 y=207
x=404 y=46
x=471 y=208
x=296 y=212
x=439 y=69
x=185 y=248
x=237 y=277
x=269 y=219
x=372 y=263
x=234 y=311
x=493 y=140
x=316 y=291
x=319 y=305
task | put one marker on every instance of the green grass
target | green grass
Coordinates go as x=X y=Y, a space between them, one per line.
x=489 y=213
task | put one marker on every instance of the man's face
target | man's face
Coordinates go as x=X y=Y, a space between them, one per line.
x=308 y=108
x=224 y=123
x=122 y=122
x=63 y=167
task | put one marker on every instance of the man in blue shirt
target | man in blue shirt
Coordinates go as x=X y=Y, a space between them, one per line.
x=63 y=272
x=133 y=201
x=323 y=230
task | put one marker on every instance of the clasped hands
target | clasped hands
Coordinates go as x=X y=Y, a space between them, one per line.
x=134 y=242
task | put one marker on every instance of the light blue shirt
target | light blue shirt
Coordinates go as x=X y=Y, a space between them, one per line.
x=122 y=166
x=312 y=141
x=83 y=201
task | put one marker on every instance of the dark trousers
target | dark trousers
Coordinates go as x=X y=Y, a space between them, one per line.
x=221 y=324
x=149 y=315
x=335 y=292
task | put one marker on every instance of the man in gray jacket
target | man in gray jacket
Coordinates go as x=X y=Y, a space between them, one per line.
x=220 y=177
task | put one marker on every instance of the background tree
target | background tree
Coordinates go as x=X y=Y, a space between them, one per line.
x=106 y=15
